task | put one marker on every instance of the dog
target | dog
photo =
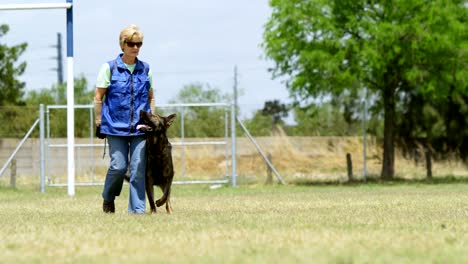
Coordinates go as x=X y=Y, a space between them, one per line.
x=159 y=166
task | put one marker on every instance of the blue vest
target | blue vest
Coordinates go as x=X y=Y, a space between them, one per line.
x=126 y=95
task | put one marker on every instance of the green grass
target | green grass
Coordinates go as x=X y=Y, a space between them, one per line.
x=373 y=223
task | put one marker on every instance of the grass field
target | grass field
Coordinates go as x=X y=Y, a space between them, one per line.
x=373 y=223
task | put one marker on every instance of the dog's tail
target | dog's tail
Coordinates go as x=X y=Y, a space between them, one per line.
x=166 y=194
x=127 y=177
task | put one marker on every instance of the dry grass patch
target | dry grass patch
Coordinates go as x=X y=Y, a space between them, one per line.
x=297 y=159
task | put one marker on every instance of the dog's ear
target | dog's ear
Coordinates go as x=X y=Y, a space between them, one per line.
x=145 y=117
x=169 y=120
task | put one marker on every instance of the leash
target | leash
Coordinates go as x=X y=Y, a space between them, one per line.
x=105 y=143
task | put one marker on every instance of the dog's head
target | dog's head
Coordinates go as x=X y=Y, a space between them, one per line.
x=155 y=122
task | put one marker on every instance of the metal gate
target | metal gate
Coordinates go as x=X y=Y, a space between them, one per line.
x=90 y=162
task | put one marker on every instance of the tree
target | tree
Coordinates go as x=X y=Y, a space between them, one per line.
x=277 y=111
x=11 y=89
x=322 y=120
x=394 y=47
x=202 y=121
x=56 y=95
x=259 y=125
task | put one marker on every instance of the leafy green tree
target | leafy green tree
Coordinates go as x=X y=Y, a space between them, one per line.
x=277 y=111
x=322 y=120
x=11 y=89
x=260 y=125
x=56 y=95
x=391 y=47
x=16 y=120
x=19 y=119
x=199 y=121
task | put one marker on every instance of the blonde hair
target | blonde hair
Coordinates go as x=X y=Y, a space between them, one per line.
x=128 y=33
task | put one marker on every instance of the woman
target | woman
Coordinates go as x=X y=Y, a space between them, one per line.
x=126 y=86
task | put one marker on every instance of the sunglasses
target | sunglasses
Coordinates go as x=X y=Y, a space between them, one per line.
x=133 y=44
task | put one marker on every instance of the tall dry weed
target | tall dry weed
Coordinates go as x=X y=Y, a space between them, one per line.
x=305 y=158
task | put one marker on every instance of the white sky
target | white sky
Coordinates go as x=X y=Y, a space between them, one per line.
x=185 y=42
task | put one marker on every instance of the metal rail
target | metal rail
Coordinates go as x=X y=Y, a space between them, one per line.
x=35 y=6
x=175 y=182
x=182 y=143
x=278 y=176
x=172 y=143
x=18 y=147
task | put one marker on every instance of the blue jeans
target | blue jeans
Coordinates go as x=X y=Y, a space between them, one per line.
x=120 y=150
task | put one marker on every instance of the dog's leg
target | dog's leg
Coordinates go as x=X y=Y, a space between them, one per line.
x=168 y=175
x=168 y=206
x=166 y=197
x=150 y=192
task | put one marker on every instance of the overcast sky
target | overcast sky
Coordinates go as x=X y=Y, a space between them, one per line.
x=185 y=42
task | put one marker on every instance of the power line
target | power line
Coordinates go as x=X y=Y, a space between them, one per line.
x=249 y=69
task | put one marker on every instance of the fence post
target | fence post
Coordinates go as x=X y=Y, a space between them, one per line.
x=13 y=173
x=269 y=179
x=233 y=145
x=42 y=146
x=429 y=164
x=261 y=152
x=349 y=164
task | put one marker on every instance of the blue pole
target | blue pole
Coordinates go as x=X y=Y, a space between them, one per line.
x=70 y=30
x=70 y=103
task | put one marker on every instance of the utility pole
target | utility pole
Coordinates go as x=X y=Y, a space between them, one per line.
x=235 y=90
x=59 y=59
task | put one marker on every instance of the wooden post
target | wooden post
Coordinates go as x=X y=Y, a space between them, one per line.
x=349 y=165
x=428 y=164
x=13 y=173
x=269 y=179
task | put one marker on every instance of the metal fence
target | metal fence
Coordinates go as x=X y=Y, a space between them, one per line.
x=91 y=166
x=201 y=158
